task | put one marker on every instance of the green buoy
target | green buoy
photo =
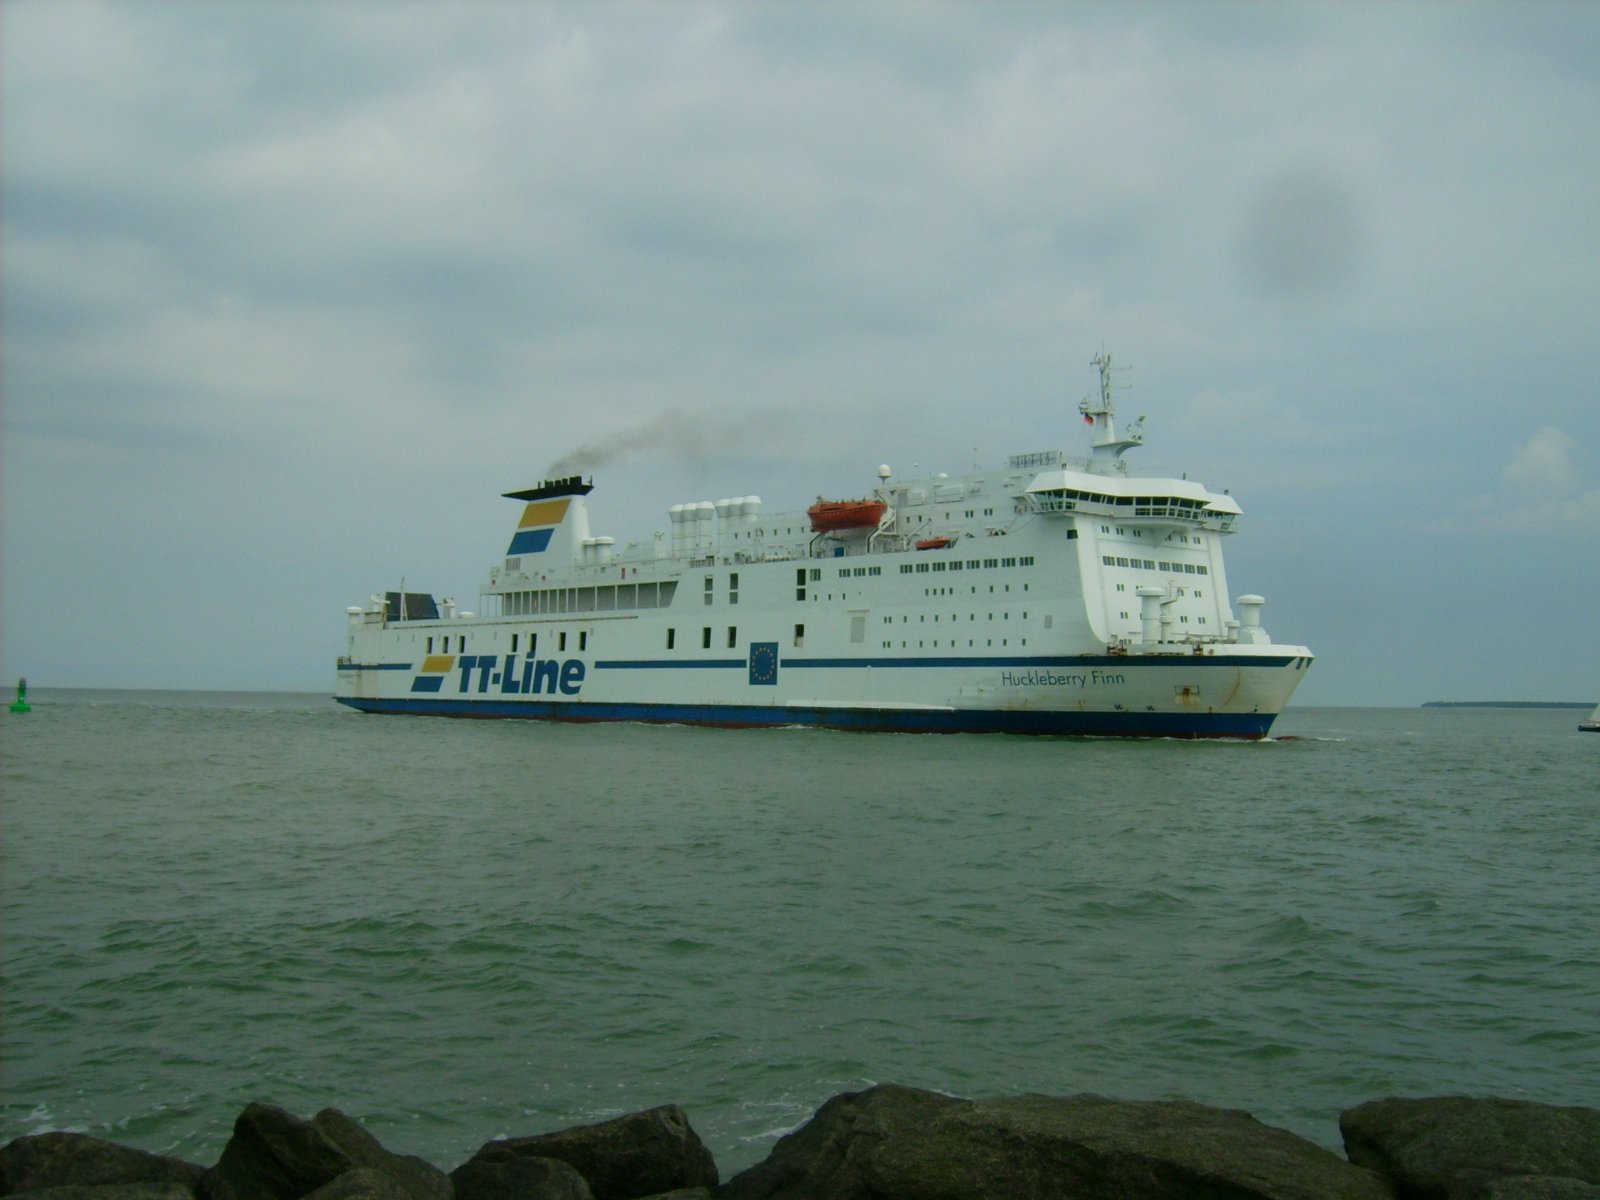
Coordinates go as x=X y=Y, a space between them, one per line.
x=21 y=703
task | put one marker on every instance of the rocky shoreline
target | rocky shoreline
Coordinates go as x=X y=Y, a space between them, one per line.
x=885 y=1143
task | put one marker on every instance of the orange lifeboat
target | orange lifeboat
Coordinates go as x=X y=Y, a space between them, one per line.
x=933 y=543
x=830 y=515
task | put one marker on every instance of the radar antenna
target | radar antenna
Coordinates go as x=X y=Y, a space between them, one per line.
x=1100 y=413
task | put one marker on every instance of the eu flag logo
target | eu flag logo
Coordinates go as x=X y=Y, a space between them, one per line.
x=763 y=663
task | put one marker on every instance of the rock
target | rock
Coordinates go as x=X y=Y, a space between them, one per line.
x=498 y=1173
x=420 y=1180
x=898 y=1144
x=641 y=1154
x=274 y=1155
x=114 y=1191
x=1431 y=1146
x=57 y=1160
x=827 y=1155
x=363 y=1183
x=1524 y=1187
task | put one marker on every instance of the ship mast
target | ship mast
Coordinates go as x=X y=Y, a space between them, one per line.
x=1101 y=413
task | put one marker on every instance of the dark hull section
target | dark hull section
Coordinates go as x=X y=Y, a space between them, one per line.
x=1249 y=726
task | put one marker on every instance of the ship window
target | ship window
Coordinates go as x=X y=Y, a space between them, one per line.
x=672 y=636
x=733 y=636
x=533 y=642
x=583 y=640
x=705 y=638
x=513 y=643
x=816 y=574
x=733 y=587
x=430 y=646
x=709 y=585
x=561 y=640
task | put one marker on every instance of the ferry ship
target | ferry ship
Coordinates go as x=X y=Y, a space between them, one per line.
x=1045 y=596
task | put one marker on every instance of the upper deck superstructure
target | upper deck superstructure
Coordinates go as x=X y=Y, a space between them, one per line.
x=1046 y=595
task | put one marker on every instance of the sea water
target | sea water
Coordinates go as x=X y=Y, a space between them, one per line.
x=460 y=930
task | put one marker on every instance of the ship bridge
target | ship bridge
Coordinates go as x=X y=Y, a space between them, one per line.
x=1176 y=501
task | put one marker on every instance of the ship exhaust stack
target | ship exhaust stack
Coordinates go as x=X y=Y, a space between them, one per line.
x=1250 y=631
x=555 y=522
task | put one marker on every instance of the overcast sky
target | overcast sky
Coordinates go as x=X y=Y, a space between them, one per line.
x=293 y=291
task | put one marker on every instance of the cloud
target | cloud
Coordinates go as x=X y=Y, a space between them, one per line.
x=1543 y=465
x=1542 y=491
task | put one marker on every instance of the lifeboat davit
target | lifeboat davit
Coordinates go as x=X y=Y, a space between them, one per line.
x=830 y=515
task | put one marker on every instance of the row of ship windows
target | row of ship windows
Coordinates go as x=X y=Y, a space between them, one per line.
x=922 y=617
x=955 y=643
x=1175 y=568
x=460 y=640
x=1198 y=592
x=972 y=564
x=1139 y=533
x=618 y=597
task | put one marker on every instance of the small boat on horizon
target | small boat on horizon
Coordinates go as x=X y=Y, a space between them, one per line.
x=1592 y=725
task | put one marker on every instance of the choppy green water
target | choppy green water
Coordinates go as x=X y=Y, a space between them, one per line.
x=457 y=930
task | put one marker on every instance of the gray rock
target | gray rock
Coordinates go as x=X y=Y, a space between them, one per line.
x=55 y=1160
x=899 y=1144
x=637 y=1155
x=274 y=1155
x=498 y=1173
x=1430 y=1145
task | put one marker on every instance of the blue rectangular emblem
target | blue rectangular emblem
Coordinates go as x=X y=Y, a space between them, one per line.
x=763 y=663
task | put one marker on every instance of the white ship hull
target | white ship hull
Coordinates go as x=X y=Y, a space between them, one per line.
x=1041 y=598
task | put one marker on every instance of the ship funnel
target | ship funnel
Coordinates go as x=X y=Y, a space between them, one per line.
x=554 y=523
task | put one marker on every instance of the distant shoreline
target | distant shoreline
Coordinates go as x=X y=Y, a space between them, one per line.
x=1578 y=704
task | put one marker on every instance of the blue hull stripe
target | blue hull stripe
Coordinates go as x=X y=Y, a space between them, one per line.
x=1106 y=724
x=651 y=664
x=1016 y=660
